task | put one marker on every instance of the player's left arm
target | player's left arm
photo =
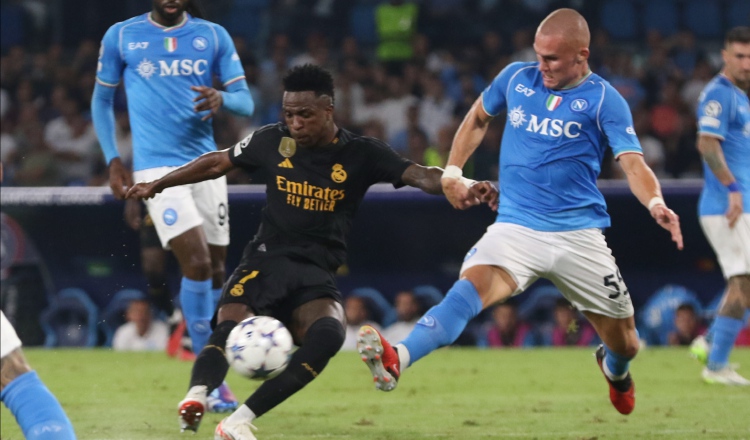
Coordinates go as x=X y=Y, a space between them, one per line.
x=712 y=153
x=236 y=99
x=227 y=67
x=206 y=167
x=616 y=123
x=646 y=188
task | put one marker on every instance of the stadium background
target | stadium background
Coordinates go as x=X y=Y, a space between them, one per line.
x=413 y=91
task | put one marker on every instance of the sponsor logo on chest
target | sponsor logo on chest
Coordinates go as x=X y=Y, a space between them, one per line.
x=544 y=126
x=185 y=67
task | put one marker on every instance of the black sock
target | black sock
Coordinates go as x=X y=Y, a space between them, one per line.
x=323 y=340
x=211 y=365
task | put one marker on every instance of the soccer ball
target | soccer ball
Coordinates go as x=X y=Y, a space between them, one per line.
x=259 y=347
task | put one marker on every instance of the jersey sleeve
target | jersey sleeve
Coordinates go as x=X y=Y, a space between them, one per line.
x=228 y=65
x=494 y=97
x=388 y=166
x=616 y=122
x=713 y=112
x=110 y=64
x=248 y=153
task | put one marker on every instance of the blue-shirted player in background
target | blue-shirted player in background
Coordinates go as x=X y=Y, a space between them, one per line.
x=168 y=58
x=724 y=206
x=561 y=117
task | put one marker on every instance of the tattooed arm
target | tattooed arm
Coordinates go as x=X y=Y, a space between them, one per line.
x=713 y=155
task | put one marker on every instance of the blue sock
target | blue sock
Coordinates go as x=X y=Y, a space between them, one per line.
x=216 y=296
x=37 y=411
x=617 y=364
x=443 y=324
x=725 y=331
x=198 y=309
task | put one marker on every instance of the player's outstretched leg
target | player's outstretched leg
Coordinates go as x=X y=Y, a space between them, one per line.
x=322 y=341
x=440 y=326
x=209 y=371
x=380 y=357
x=37 y=411
x=621 y=385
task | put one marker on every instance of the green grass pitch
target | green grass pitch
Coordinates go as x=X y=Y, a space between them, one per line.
x=452 y=394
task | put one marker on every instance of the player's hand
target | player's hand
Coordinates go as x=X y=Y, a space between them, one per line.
x=207 y=99
x=735 y=208
x=142 y=191
x=667 y=219
x=458 y=194
x=486 y=192
x=119 y=178
x=133 y=215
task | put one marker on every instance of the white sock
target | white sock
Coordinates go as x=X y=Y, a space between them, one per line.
x=241 y=415
x=611 y=376
x=403 y=357
x=197 y=392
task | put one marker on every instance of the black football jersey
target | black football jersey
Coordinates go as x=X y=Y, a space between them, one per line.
x=312 y=193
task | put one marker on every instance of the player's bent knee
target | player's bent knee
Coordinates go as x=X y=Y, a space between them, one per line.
x=236 y=312
x=221 y=333
x=631 y=349
x=328 y=336
x=197 y=270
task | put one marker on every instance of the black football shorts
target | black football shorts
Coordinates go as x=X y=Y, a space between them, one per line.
x=276 y=284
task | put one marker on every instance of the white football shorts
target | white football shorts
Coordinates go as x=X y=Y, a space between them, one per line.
x=732 y=245
x=8 y=338
x=579 y=263
x=180 y=208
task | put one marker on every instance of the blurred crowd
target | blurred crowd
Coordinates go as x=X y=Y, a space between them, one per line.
x=408 y=80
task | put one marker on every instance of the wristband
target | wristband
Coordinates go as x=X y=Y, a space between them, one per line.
x=467 y=182
x=452 y=172
x=732 y=187
x=655 y=201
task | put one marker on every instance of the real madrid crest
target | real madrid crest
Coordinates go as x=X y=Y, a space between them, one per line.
x=287 y=147
x=338 y=175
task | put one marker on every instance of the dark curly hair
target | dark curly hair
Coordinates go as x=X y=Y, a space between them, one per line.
x=309 y=78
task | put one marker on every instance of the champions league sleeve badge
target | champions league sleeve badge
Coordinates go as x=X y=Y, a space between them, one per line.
x=287 y=147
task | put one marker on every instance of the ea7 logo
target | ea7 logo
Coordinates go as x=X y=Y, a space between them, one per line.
x=520 y=88
x=141 y=45
x=182 y=67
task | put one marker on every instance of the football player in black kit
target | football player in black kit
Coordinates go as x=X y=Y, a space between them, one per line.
x=318 y=175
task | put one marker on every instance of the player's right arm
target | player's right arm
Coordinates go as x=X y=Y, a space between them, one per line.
x=467 y=139
x=206 y=167
x=108 y=74
x=616 y=123
x=471 y=132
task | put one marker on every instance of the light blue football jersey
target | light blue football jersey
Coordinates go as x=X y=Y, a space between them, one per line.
x=724 y=113
x=553 y=145
x=159 y=65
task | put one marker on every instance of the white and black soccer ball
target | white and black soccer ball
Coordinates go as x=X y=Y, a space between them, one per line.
x=259 y=347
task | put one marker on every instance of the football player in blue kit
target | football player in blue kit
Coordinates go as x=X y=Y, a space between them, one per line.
x=168 y=58
x=560 y=119
x=724 y=207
